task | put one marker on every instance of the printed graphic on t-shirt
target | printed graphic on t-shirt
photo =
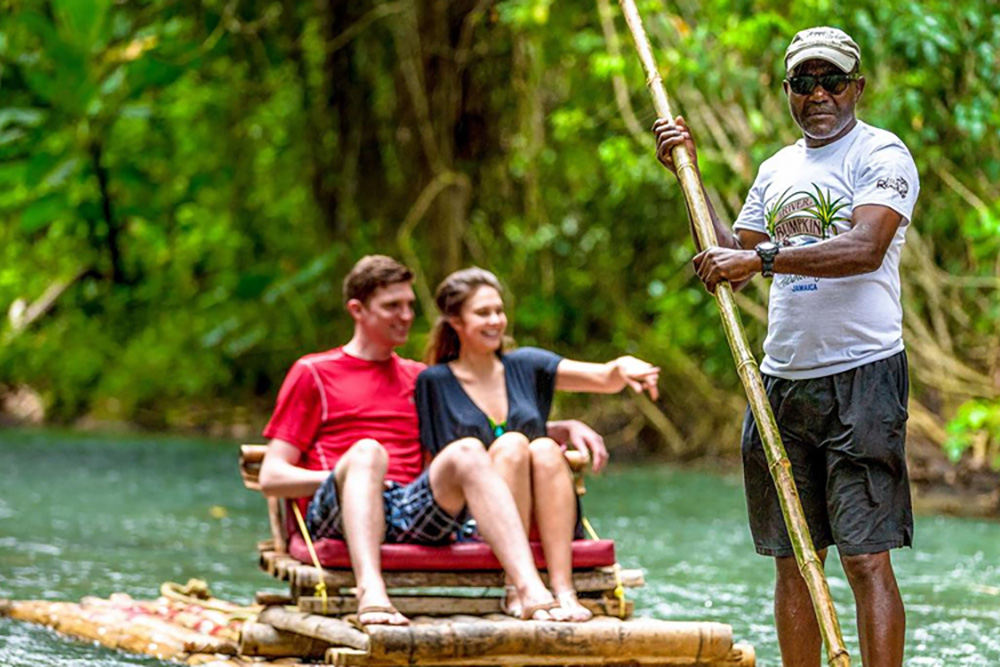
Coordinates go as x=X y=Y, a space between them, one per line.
x=898 y=184
x=801 y=218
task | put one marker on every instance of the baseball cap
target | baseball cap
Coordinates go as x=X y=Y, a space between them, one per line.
x=825 y=43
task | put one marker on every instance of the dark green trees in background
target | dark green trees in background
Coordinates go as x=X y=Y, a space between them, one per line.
x=182 y=186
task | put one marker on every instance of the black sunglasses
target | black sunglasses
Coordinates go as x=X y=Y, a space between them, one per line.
x=834 y=84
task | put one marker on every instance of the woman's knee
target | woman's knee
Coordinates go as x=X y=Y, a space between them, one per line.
x=546 y=453
x=464 y=455
x=510 y=449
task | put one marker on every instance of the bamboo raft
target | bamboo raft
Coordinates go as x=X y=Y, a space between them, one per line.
x=455 y=618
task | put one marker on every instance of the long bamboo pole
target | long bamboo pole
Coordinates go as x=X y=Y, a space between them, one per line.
x=805 y=554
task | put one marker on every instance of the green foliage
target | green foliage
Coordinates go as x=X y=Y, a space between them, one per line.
x=976 y=427
x=193 y=179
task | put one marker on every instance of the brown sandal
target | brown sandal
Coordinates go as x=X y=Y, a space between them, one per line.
x=381 y=609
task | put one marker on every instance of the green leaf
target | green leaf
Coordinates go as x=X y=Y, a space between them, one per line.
x=58 y=176
x=252 y=285
x=22 y=117
x=39 y=166
x=43 y=212
x=11 y=136
x=82 y=21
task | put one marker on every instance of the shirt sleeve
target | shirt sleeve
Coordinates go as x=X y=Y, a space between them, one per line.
x=888 y=178
x=299 y=410
x=542 y=364
x=751 y=216
x=434 y=432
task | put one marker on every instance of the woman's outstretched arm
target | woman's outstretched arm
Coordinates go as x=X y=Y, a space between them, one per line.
x=608 y=378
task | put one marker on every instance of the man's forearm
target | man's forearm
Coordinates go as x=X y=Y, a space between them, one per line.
x=841 y=256
x=558 y=430
x=284 y=480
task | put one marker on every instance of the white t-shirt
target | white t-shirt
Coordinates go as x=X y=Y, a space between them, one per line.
x=821 y=326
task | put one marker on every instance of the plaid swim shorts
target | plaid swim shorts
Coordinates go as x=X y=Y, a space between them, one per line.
x=411 y=514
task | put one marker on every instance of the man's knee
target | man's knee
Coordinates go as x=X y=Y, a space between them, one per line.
x=510 y=449
x=788 y=573
x=867 y=569
x=369 y=454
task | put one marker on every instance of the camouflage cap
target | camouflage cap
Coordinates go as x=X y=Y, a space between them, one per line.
x=824 y=43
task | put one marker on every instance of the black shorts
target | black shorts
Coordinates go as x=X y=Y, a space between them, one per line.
x=411 y=513
x=845 y=437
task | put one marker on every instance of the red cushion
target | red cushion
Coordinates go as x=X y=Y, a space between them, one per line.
x=459 y=556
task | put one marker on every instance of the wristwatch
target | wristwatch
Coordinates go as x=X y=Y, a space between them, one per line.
x=767 y=251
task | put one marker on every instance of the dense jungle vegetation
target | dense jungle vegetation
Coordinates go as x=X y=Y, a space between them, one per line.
x=183 y=185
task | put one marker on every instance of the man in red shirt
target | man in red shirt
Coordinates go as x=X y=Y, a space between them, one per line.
x=351 y=411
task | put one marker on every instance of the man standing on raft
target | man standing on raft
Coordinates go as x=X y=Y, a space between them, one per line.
x=825 y=219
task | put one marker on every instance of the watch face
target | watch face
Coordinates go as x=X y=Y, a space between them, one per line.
x=767 y=246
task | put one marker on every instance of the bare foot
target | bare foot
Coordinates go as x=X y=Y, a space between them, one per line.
x=381 y=615
x=571 y=604
x=374 y=608
x=542 y=609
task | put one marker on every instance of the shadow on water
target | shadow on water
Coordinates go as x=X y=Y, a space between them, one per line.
x=92 y=515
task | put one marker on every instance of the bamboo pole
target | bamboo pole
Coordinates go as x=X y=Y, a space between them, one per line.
x=330 y=630
x=805 y=554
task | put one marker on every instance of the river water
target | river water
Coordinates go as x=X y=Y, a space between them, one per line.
x=90 y=515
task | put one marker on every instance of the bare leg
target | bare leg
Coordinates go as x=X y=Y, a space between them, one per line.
x=511 y=460
x=881 y=616
x=555 y=502
x=798 y=631
x=360 y=477
x=462 y=474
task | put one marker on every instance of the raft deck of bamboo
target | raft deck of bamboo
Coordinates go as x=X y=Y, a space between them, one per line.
x=279 y=634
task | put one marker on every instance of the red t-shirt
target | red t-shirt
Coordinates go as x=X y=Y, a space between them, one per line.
x=331 y=400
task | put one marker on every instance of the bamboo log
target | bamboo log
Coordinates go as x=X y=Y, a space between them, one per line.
x=690 y=181
x=331 y=630
x=351 y=658
x=272 y=599
x=252 y=454
x=599 y=641
x=598 y=580
x=261 y=639
x=743 y=655
x=110 y=627
x=339 y=605
x=212 y=660
x=215 y=622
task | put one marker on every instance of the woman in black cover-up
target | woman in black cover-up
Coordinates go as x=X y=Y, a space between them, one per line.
x=472 y=388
